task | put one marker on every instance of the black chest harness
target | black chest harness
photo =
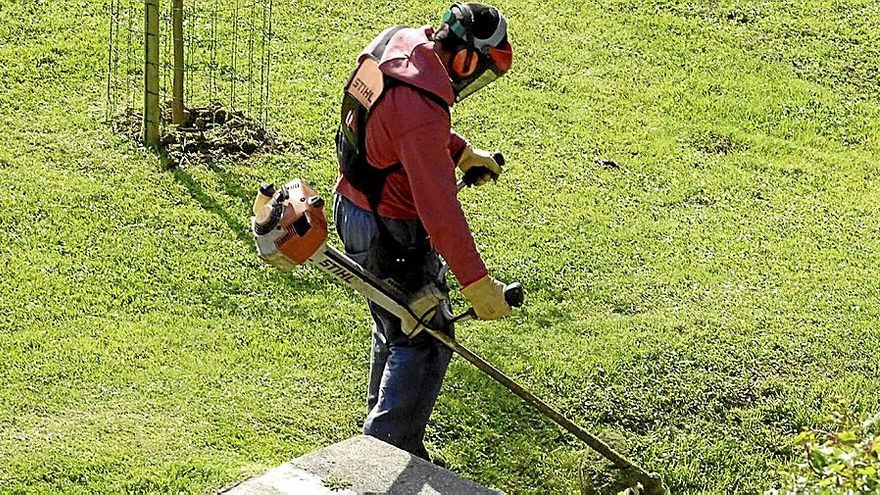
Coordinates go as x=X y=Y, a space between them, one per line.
x=366 y=87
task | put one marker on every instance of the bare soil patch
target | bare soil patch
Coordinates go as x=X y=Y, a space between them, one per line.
x=212 y=133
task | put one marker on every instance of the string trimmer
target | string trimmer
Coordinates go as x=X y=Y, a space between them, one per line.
x=290 y=229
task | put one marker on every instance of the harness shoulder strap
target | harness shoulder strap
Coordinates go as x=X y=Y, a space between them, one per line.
x=366 y=87
x=383 y=43
x=367 y=83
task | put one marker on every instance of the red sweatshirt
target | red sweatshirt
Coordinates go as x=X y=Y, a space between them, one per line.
x=409 y=128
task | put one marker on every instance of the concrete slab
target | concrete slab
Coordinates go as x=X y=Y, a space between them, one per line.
x=361 y=465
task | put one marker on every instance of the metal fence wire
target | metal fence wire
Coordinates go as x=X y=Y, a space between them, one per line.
x=227 y=56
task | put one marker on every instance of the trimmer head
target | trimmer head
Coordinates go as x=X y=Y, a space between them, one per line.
x=654 y=485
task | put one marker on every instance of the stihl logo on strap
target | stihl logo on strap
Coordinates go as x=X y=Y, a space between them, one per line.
x=367 y=83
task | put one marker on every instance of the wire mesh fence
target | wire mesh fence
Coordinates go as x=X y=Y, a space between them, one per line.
x=227 y=48
x=125 y=58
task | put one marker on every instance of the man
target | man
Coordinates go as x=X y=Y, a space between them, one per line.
x=396 y=206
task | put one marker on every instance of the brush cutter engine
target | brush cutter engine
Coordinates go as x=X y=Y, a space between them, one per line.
x=289 y=224
x=290 y=229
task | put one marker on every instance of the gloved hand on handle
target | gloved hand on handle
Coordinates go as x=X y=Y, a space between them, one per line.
x=487 y=298
x=472 y=158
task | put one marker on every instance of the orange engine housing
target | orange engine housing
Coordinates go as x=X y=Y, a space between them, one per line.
x=298 y=232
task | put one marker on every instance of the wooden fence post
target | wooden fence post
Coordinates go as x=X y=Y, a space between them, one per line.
x=151 y=73
x=178 y=111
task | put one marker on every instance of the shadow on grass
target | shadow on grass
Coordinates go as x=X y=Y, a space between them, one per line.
x=511 y=425
x=489 y=423
x=237 y=221
x=234 y=222
x=232 y=186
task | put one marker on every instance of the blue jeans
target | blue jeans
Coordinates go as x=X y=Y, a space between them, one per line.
x=405 y=373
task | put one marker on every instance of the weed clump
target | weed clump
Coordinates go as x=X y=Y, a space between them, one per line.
x=715 y=143
x=597 y=476
x=842 y=460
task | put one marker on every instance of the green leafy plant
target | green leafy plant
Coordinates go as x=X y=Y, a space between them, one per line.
x=845 y=460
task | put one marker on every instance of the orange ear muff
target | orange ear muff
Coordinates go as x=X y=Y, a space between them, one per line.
x=464 y=63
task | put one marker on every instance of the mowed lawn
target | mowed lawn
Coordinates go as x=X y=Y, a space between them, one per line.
x=691 y=200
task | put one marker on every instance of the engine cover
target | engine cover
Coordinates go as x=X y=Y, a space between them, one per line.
x=291 y=226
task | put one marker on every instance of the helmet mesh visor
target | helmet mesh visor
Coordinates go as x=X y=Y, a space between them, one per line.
x=478 y=83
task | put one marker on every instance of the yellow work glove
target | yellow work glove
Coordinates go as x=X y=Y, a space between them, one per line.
x=476 y=158
x=487 y=298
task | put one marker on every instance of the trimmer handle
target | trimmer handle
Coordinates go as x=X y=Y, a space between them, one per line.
x=499 y=158
x=514 y=295
x=473 y=175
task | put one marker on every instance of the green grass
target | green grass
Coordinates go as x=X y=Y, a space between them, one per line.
x=699 y=304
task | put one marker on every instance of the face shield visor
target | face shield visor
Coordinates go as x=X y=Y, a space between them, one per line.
x=493 y=64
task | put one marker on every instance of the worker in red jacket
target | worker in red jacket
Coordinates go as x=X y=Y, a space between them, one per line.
x=396 y=206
